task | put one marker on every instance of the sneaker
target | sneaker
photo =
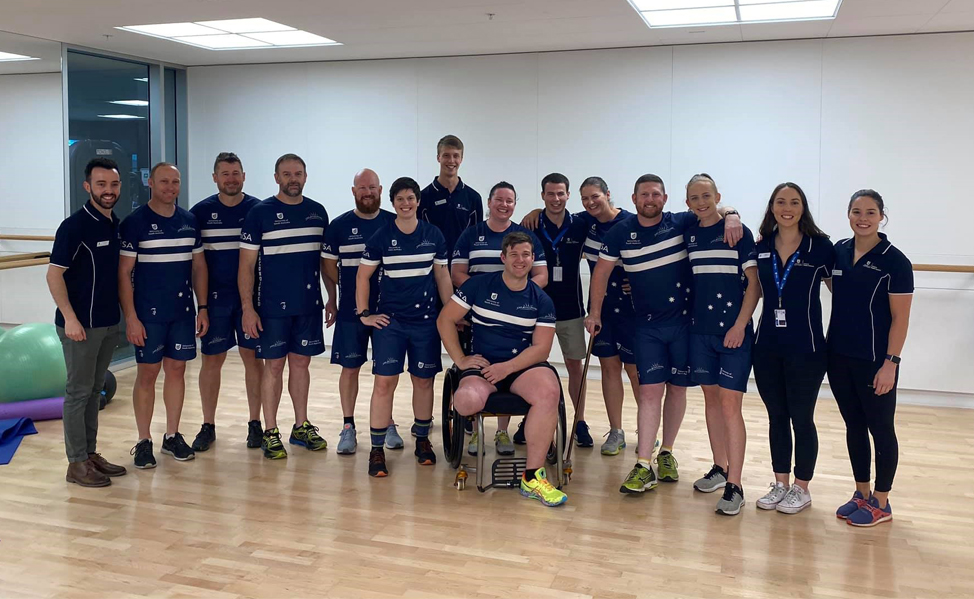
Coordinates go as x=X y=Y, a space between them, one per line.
x=346 y=440
x=270 y=444
x=850 y=507
x=795 y=501
x=615 y=443
x=468 y=426
x=871 y=514
x=583 y=438
x=472 y=444
x=393 y=440
x=502 y=443
x=773 y=497
x=307 y=436
x=413 y=430
x=667 y=466
x=640 y=479
x=143 y=454
x=712 y=481
x=177 y=448
x=377 y=463
x=539 y=488
x=205 y=438
x=255 y=432
x=519 y=438
x=424 y=452
x=732 y=501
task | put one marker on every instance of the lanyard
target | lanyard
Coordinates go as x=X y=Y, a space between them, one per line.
x=554 y=242
x=779 y=280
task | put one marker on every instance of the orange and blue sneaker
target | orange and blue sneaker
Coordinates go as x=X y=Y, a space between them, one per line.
x=871 y=514
x=539 y=488
x=850 y=507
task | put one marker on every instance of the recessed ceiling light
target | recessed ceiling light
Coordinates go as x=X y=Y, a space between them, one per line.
x=813 y=9
x=644 y=5
x=129 y=102
x=683 y=13
x=292 y=38
x=142 y=79
x=246 y=25
x=224 y=41
x=172 y=29
x=8 y=57
x=120 y=116
x=691 y=16
x=237 y=34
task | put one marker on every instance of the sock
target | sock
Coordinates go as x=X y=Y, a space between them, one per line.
x=665 y=449
x=349 y=420
x=530 y=473
x=167 y=436
x=644 y=462
x=422 y=427
x=378 y=437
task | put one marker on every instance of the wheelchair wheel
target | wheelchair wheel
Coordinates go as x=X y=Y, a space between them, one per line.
x=452 y=424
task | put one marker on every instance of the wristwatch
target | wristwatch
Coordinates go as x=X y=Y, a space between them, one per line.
x=729 y=212
x=893 y=359
x=203 y=307
x=364 y=313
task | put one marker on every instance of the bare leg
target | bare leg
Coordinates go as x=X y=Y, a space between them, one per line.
x=380 y=409
x=612 y=389
x=649 y=406
x=348 y=390
x=209 y=382
x=422 y=398
x=674 y=409
x=144 y=397
x=735 y=435
x=271 y=387
x=299 y=385
x=715 y=424
x=173 y=392
x=540 y=388
x=574 y=384
x=253 y=371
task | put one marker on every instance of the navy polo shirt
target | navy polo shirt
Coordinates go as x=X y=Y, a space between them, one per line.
x=800 y=299
x=86 y=247
x=719 y=282
x=220 y=227
x=566 y=254
x=861 y=317
x=451 y=213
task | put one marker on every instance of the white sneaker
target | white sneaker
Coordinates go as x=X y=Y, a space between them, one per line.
x=773 y=497
x=794 y=501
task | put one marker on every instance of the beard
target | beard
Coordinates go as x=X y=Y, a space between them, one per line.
x=287 y=190
x=105 y=200
x=231 y=189
x=650 y=211
x=367 y=204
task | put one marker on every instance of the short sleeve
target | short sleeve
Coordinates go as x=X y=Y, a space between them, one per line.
x=901 y=276
x=442 y=254
x=461 y=253
x=372 y=256
x=546 y=311
x=251 y=233
x=128 y=237
x=478 y=205
x=684 y=220
x=466 y=295
x=66 y=243
x=747 y=251
x=539 y=256
x=329 y=246
x=610 y=246
x=828 y=257
x=198 y=243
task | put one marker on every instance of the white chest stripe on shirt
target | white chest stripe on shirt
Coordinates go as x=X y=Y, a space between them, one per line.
x=222 y=245
x=650 y=249
x=656 y=263
x=167 y=243
x=493 y=315
x=487 y=268
x=591 y=243
x=484 y=254
x=220 y=232
x=476 y=320
x=355 y=247
x=408 y=259
x=408 y=272
x=299 y=232
x=166 y=257
x=715 y=269
x=292 y=248
x=701 y=255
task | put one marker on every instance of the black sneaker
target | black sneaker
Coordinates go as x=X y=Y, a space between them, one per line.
x=270 y=444
x=177 y=448
x=424 y=452
x=582 y=437
x=143 y=454
x=377 y=463
x=519 y=434
x=205 y=438
x=254 y=434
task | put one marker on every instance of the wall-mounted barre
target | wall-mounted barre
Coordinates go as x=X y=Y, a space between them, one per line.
x=943 y=268
x=26 y=238
x=22 y=263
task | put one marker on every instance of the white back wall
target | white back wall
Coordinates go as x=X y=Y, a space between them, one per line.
x=832 y=115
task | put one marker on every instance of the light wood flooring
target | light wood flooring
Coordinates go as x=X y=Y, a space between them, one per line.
x=231 y=524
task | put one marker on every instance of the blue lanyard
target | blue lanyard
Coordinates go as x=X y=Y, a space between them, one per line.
x=780 y=281
x=554 y=242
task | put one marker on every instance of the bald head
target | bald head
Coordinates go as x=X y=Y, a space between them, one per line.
x=367 y=191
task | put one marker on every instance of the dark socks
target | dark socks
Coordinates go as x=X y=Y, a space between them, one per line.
x=378 y=436
x=422 y=427
x=349 y=420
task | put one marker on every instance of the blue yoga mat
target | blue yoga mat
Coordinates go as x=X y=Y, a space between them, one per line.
x=12 y=430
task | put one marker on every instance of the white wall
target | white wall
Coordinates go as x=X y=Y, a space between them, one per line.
x=31 y=187
x=891 y=113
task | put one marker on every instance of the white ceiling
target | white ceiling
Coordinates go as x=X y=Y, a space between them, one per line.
x=410 y=28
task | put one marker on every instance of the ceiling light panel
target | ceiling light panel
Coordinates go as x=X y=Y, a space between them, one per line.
x=8 y=57
x=172 y=29
x=291 y=38
x=644 y=5
x=226 y=41
x=239 y=34
x=691 y=16
x=130 y=102
x=246 y=25
x=789 y=11
x=684 y=13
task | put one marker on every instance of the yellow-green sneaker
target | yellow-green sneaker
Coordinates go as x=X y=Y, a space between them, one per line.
x=307 y=436
x=667 y=466
x=270 y=444
x=640 y=479
x=539 y=488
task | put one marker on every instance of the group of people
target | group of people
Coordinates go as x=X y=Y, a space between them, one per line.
x=671 y=301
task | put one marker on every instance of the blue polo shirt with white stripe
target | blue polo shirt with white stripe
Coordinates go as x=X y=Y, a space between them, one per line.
x=479 y=247
x=220 y=227
x=503 y=320
x=163 y=249
x=718 y=277
x=801 y=297
x=86 y=247
x=407 y=288
x=861 y=317
x=616 y=301
x=451 y=213
x=345 y=242
x=566 y=255
x=655 y=261
x=289 y=238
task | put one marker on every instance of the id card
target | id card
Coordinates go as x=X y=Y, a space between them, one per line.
x=779 y=319
x=556 y=274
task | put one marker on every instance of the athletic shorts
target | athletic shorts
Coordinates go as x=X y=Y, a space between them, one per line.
x=663 y=354
x=302 y=335
x=418 y=340
x=571 y=338
x=504 y=385
x=350 y=343
x=615 y=338
x=713 y=364
x=226 y=331
x=175 y=340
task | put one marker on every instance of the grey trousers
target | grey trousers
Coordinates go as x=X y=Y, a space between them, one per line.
x=86 y=361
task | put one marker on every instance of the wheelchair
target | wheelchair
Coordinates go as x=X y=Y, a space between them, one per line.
x=505 y=472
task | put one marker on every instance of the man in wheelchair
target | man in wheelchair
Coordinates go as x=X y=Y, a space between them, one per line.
x=513 y=325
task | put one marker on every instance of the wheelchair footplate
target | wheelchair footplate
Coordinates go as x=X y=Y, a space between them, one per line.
x=507 y=472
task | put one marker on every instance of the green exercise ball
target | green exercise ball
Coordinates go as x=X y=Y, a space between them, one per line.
x=31 y=363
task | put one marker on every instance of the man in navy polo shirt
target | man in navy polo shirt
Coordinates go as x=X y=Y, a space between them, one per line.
x=448 y=203
x=83 y=279
x=220 y=218
x=161 y=265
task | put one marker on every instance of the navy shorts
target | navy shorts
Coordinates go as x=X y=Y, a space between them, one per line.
x=713 y=364
x=302 y=335
x=504 y=385
x=419 y=340
x=175 y=340
x=615 y=338
x=663 y=354
x=226 y=331
x=350 y=343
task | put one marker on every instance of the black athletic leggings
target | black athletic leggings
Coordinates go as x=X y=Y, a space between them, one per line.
x=865 y=413
x=789 y=386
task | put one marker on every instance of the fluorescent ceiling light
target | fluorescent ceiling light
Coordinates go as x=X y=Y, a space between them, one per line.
x=685 y=13
x=130 y=102
x=238 y=34
x=691 y=16
x=142 y=79
x=172 y=29
x=8 y=57
x=221 y=42
x=292 y=38
x=813 y=9
x=246 y=25
x=120 y=116
x=644 y=5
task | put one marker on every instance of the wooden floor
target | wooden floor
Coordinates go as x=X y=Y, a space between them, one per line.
x=232 y=524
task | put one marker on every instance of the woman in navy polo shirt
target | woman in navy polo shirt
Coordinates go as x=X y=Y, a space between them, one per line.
x=872 y=290
x=794 y=257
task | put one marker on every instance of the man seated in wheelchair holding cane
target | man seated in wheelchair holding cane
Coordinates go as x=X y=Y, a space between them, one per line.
x=513 y=325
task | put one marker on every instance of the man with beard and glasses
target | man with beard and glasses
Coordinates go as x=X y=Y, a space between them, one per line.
x=83 y=279
x=344 y=243
x=282 y=236
x=220 y=218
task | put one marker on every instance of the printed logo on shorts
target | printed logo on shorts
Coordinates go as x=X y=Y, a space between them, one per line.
x=725 y=373
x=657 y=366
x=246 y=337
x=278 y=344
x=153 y=311
x=179 y=346
x=217 y=340
x=701 y=370
x=420 y=364
x=157 y=349
x=390 y=361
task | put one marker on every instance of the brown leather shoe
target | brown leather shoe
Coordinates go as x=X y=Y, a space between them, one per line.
x=104 y=466
x=84 y=474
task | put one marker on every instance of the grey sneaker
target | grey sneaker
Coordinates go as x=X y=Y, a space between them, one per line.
x=503 y=444
x=732 y=501
x=346 y=440
x=773 y=497
x=615 y=443
x=794 y=501
x=472 y=444
x=393 y=440
x=712 y=481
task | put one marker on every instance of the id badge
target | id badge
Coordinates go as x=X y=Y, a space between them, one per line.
x=779 y=319
x=556 y=273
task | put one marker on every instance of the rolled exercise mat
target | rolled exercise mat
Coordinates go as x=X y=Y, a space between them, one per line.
x=12 y=431
x=51 y=408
